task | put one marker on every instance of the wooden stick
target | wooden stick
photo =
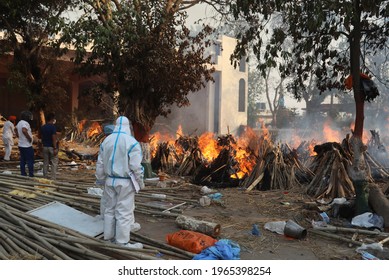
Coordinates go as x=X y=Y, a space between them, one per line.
x=173 y=207
x=334 y=236
x=383 y=241
x=253 y=184
x=342 y=229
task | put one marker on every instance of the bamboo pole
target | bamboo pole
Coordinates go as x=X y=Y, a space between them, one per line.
x=34 y=234
x=16 y=249
x=40 y=249
x=352 y=230
x=162 y=245
x=17 y=238
x=3 y=254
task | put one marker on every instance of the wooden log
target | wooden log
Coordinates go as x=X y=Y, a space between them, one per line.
x=253 y=184
x=190 y=223
x=379 y=203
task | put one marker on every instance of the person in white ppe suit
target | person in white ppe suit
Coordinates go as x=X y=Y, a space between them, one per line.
x=119 y=168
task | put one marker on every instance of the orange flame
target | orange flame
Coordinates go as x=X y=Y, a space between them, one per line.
x=265 y=131
x=81 y=125
x=179 y=131
x=311 y=148
x=158 y=138
x=208 y=146
x=94 y=129
x=331 y=135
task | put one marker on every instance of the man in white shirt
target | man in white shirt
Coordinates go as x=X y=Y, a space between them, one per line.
x=24 y=133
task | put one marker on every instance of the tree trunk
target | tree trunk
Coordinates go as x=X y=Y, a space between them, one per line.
x=358 y=171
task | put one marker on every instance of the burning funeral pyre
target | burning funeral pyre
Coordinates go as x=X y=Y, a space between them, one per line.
x=257 y=161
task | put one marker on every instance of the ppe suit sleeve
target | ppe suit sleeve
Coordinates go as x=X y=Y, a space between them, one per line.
x=135 y=163
x=100 y=175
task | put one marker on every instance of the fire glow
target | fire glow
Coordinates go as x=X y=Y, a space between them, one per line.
x=329 y=134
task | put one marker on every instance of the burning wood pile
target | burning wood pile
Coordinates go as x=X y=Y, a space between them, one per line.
x=250 y=161
x=192 y=157
x=223 y=171
x=220 y=162
x=181 y=157
x=85 y=132
x=278 y=168
x=257 y=162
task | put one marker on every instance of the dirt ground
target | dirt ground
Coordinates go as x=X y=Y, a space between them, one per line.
x=239 y=211
x=236 y=212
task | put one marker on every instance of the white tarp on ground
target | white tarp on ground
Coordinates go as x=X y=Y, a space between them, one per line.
x=69 y=217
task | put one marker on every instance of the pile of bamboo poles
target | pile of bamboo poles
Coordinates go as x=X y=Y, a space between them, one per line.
x=24 y=236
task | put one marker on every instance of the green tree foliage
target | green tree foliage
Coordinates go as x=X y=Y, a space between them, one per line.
x=28 y=28
x=327 y=39
x=144 y=52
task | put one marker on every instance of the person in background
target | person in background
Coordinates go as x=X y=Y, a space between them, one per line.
x=24 y=133
x=108 y=129
x=8 y=136
x=50 y=145
x=119 y=168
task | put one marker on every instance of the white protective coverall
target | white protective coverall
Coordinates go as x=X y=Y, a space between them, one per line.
x=119 y=166
x=8 y=133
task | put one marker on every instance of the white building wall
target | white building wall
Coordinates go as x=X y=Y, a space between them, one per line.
x=230 y=117
x=200 y=116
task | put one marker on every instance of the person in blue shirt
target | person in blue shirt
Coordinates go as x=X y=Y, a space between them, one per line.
x=50 y=145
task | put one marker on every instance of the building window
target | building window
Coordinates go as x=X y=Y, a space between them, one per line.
x=242 y=95
x=216 y=52
x=242 y=64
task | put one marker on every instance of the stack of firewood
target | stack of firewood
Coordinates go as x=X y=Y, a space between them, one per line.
x=165 y=158
x=192 y=158
x=330 y=168
x=278 y=168
x=78 y=132
x=222 y=171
